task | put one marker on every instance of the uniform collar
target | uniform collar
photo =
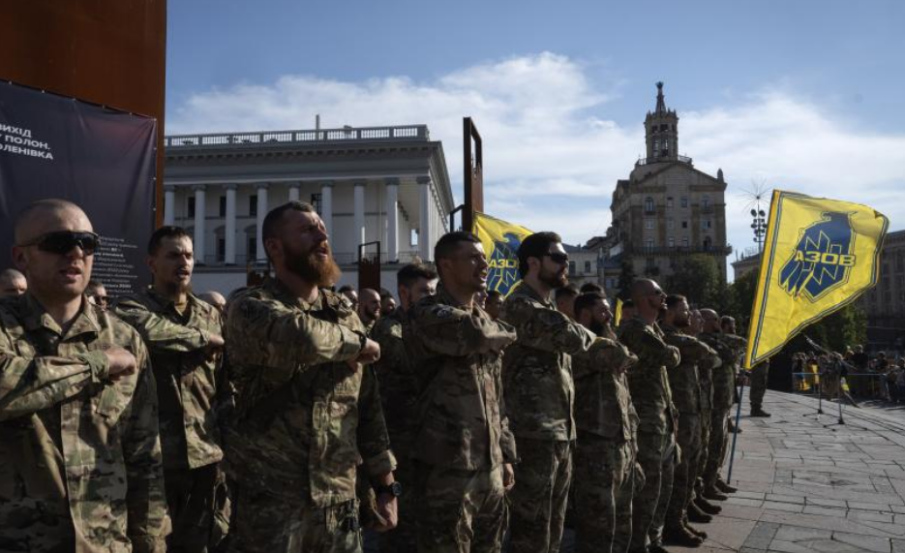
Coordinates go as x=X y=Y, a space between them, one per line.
x=523 y=289
x=35 y=317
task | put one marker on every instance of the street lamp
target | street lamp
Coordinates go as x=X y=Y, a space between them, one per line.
x=759 y=226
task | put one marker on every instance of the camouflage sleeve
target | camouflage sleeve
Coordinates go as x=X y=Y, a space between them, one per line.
x=159 y=333
x=604 y=355
x=546 y=329
x=288 y=338
x=649 y=348
x=507 y=438
x=31 y=384
x=690 y=348
x=449 y=331
x=373 y=439
x=737 y=343
x=146 y=498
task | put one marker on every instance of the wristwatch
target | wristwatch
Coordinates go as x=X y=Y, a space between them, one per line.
x=394 y=489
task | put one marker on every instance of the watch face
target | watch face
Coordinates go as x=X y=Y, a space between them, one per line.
x=396 y=489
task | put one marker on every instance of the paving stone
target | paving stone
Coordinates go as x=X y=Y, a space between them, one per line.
x=824 y=511
x=785 y=498
x=872 y=516
x=824 y=502
x=787 y=507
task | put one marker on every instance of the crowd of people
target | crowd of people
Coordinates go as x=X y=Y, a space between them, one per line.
x=866 y=377
x=290 y=417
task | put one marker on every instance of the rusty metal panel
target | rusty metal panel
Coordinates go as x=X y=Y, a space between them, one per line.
x=473 y=172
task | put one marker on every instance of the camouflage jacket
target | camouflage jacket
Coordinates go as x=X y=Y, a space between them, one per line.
x=603 y=404
x=304 y=418
x=398 y=382
x=537 y=368
x=648 y=382
x=729 y=347
x=80 y=458
x=186 y=378
x=684 y=380
x=461 y=415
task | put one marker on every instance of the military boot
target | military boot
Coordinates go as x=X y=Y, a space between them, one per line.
x=706 y=506
x=656 y=548
x=699 y=533
x=732 y=427
x=724 y=487
x=679 y=535
x=714 y=494
x=758 y=412
x=695 y=514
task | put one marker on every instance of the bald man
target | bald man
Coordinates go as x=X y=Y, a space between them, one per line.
x=12 y=283
x=369 y=307
x=216 y=299
x=78 y=410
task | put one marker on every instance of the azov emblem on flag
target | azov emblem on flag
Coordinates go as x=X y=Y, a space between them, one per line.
x=504 y=264
x=822 y=260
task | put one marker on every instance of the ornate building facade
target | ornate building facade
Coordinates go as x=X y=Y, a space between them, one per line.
x=667 y=208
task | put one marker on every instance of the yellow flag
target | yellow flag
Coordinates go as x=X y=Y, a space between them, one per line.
x=819 y=256
x=618 y=315
x=501 y=241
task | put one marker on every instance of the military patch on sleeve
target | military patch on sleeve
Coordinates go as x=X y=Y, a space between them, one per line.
x=443 y=312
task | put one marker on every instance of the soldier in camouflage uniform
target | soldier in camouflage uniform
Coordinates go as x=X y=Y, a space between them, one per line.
x=607 y=424
x=758 y=376
x=699 y=509
x=652 y=397
x=537 y=372
x=369 y=308
x=307 y=410
x=729 y=347
x=182 y=333
x=463 y=448
x=80 y=459
x=399 y=392
x=696 y=358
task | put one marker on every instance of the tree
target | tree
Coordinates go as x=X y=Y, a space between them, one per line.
x=626 y=277
x=697 y=277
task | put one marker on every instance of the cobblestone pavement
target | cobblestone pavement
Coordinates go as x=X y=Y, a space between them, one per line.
x=809 y=484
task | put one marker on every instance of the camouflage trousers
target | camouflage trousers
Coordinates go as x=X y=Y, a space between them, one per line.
x=604 y=476
x=716 y=446
x=758 y=378
x=460 y=511
x=267 y=523
x=657 y=457
x=403 y=538
x=199 y=508
x=688 y=437
x=540 y=495
x=706 y=420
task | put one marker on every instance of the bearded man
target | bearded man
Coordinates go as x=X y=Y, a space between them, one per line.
x=307 y=408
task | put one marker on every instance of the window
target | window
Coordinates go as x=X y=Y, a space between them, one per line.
x=318 y=202
x=571 y=267
x=221 y=249
x=705 y=202
x=649 y=224
x=670 y=224
x=672 y=242
x=587 y=267
x=413 y=237
x=190 y=206
x=669 y=201
x=222 y=206
x=252 y=248
x=706 y=224
x=684 y=201
x=708 y=243
x=649 y=205
x=253 y=205
x=684 y=224
x=685 y=242
x=650 y=243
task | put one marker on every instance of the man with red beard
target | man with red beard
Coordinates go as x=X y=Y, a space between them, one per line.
x=540 y=394
x=307 y=407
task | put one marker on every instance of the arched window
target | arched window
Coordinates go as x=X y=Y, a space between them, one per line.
x=649 y=205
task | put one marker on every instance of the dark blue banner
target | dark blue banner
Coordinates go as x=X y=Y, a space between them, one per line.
x=99 y=158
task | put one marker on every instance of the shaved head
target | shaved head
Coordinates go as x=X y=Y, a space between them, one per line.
x=31 y=221
x=711 y=320
x=369 y=305
x=214 y=298
x=641 y=288
x=12 y=283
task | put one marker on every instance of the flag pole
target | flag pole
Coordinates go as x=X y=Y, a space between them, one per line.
x=738 y=418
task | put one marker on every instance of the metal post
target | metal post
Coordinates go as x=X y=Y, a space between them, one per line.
x=738 y=419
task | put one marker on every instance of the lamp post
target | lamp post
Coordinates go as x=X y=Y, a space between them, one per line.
x=759 y=226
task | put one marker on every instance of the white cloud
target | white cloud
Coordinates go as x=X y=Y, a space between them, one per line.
x=552 y=155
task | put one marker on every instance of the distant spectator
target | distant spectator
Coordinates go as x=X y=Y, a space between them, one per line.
x=12 y=283
x=565 y=300
x=350 y=295
x=387 y=303
x=97 y=294
x=216 y=299
x=493 y=303
x=369 y=307
x=591 y=287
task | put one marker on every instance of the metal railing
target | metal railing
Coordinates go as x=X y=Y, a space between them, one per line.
x=661 y=159
x=345 y=134
x=666 y=250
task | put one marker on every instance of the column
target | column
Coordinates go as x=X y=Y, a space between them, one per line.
x=262 y=212
x=169 y=205
x=327 y=208
x=294 y=192
x=229 y=229
x=425 y=239
x=392 y=220
x=359 y=220
x=200 y=214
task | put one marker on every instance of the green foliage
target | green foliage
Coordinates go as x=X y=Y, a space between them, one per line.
x=626 y=277
x=697 y=277
x=741 y=299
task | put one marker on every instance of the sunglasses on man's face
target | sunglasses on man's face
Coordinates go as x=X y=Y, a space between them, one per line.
x=557 y=257
x=63 y=241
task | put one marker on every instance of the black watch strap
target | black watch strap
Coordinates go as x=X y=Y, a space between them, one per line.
x=394 y=489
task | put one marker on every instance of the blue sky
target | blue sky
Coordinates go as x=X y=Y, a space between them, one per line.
x=805 y=95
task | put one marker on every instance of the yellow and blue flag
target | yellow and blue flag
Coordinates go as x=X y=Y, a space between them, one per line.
x=501 y=241
x=819 y=256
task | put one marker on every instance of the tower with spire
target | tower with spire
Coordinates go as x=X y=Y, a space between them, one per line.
x=661 y=130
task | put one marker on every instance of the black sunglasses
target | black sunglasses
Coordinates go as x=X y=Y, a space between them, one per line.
x=63 y=241
x=557 y=257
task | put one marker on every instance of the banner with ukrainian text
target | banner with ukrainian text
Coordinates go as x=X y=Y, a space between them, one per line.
x=102 y=159
x=501 y=241
x=819 y=256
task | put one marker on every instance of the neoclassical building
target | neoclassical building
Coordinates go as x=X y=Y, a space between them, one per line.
x=667 y=208
x=387 y=185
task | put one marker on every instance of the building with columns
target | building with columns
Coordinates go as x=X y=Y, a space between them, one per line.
x=387 y=185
